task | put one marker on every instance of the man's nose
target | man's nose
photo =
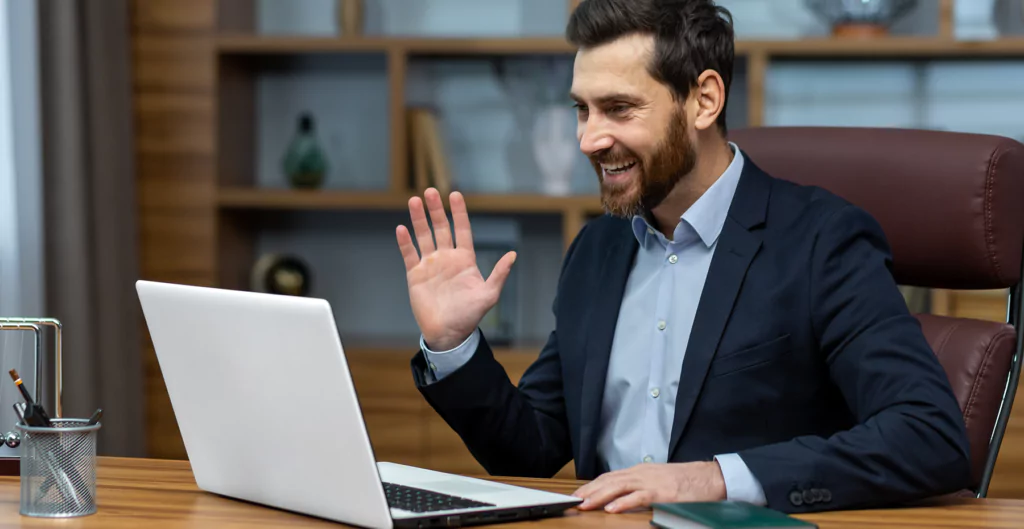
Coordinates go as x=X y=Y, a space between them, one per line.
x=594 y=140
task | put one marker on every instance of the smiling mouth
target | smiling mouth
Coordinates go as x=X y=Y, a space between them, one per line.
x=616 y=173
x=617 y=169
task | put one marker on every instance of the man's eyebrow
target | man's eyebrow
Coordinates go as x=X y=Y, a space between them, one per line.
x=608 y=98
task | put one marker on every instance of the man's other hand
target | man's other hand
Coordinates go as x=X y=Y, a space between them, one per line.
x=648 y=483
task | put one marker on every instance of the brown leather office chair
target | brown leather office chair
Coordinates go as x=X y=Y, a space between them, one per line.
x=952 y=207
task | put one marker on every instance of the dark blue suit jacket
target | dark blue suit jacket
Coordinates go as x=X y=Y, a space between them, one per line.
x=803 y=359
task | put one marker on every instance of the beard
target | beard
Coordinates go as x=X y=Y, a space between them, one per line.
x=656 y=175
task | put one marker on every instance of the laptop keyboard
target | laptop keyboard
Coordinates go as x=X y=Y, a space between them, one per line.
x=419 y=500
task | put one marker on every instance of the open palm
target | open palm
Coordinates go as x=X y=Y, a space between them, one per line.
x=447 y=293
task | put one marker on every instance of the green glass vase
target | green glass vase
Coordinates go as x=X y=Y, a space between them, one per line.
x=304 y=162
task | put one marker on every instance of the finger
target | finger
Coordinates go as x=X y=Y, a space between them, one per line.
x=501 y=271
x=408 y=250
x=599 y=482
x=420 y=226
x=587 y=489
x=602 y=496
x=438 y=217
x=634 y=500
x=460 y=217
x=600 y=487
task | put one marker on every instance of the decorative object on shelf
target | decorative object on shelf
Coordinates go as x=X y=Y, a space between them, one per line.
x=350 y=17
x=537 y=91
x=860 y=18
x=429 y=157
x=283 y=274
x=555 y=147
x=305 y=162
x=975 y=20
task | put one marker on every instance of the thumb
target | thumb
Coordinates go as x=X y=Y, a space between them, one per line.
x=501 y=271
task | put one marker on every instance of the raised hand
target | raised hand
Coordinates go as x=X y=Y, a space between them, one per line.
x=448 y=294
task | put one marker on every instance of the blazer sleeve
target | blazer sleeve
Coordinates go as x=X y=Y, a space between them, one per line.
x=510 y=430
x=910 y=441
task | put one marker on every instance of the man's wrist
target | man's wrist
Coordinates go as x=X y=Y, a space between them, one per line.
x=717 y=486
x=442 y=345
x=740 y=482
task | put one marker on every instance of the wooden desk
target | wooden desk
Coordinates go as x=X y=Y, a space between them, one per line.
x=162 y=494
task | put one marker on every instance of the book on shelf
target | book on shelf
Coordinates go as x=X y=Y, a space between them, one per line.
x=429 y=158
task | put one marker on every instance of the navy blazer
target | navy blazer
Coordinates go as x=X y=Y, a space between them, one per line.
x=803 y=359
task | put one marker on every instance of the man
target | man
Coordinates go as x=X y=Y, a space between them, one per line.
x=720 y=334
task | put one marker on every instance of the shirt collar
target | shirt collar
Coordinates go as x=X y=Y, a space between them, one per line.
x=707 y=215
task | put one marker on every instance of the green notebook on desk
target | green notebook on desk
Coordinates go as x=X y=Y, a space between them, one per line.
x=721 y=515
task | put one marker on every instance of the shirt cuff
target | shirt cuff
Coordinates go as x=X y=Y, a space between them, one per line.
x=443 y=363
x=740 y=483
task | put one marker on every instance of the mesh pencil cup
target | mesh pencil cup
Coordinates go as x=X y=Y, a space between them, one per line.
x=58 y=469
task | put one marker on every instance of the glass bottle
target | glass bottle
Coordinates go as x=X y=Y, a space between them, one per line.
x=304 y=162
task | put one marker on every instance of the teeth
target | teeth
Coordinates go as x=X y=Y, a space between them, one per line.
x=617 y=167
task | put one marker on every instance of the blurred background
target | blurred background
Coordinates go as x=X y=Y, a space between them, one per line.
x=272 y=145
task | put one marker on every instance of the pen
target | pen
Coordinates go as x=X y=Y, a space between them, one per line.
x=95 y=417
x=34 y=414
x=21 y=385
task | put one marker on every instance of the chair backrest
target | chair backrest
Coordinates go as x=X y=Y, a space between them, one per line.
x=952 y=208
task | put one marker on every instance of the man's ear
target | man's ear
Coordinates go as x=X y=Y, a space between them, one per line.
x=709 y=97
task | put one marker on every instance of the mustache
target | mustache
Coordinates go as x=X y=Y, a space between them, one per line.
x=613 y=157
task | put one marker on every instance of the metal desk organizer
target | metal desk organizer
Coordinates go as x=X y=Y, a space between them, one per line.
x=57 y=464
x=9 y=460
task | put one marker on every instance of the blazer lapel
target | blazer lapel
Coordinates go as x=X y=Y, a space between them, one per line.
x=598 y=346
x=737 y=246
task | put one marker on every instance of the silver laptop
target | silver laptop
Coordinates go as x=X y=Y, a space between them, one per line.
x=268 y=413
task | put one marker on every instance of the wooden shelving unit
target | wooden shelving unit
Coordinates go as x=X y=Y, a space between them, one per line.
x=196 y=66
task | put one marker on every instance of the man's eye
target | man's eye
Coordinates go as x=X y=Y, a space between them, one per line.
x=617 y=109
x=580 y=108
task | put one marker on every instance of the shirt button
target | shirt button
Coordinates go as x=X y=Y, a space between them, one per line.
x=662 y=325
x=433 y=367
x=650 y=230
x=673 y=259
x=655 y=392
x=648 y=459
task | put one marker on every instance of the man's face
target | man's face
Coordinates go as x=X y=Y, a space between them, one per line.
x=629 y=126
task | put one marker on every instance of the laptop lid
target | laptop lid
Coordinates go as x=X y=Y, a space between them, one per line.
x=264 y=400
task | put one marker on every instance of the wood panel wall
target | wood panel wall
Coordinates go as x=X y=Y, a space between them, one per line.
x=174 y=117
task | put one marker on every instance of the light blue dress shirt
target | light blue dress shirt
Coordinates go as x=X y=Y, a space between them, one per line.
x=653 y=329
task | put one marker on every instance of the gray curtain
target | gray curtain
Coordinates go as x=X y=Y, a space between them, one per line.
x=90 y=213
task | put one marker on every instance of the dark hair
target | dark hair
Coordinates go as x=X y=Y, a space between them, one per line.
x=690 y=36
